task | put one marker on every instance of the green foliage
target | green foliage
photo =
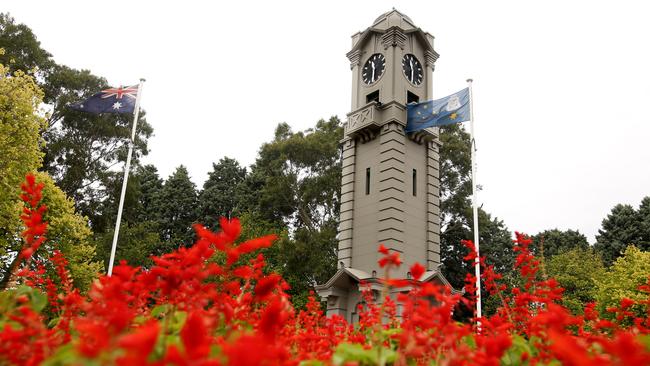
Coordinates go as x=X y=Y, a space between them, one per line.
x=137 y=242
x=357 y=354
x=177 y=210
x=20 y=143
x=294 y=187
x=219 y=195
x=150 y=186
x=139 y=231
x=577 y=271
x=68 y=232
x=623 y=278
x=553 y=242
x=22 y=50
x=622 y=227
x=495 y=244
x=80 y=147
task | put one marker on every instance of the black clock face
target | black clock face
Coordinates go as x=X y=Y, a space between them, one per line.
x=412 y=69
x=373 y=68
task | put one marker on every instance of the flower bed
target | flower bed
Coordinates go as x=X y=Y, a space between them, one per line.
x=214 y=304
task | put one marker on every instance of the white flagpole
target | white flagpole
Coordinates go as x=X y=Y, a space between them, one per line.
x=136 y=113
x=477 y=265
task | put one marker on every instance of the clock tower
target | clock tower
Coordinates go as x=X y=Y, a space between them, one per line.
x=390 y=181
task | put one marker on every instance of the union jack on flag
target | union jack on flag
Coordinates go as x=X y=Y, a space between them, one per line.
x=112 y=100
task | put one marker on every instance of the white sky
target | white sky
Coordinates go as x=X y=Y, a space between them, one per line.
x=561 y=88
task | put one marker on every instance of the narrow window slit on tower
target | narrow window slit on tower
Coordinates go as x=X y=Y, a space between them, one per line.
x=367 y=180
x=415 y=182
x=411 y=98
x=373 y=97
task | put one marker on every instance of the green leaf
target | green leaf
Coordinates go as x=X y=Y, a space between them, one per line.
x=65 y=355
x=177 y=321
x=311 y=363
x=346 y=352
x=38 y=299
x=645 y=340
x=52 y=323
x=520 y=345
x=160 y=310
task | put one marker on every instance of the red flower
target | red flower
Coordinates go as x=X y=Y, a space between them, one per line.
x=266 y=285
x=417 y=270
x=195 y=337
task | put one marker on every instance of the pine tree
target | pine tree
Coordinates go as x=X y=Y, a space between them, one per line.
x=219 y=195
x=177 y=209
x=620 y=228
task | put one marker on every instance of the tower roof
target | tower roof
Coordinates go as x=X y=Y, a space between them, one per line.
x=393 y=18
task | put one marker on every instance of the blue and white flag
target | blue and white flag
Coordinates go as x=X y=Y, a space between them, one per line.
x=113 y=100
x=445 y=111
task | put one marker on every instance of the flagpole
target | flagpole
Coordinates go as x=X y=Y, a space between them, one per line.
x=136 y=113
x=477 y=265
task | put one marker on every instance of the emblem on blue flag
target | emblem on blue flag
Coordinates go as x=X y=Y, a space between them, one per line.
x=444 y=111
x=112 y=100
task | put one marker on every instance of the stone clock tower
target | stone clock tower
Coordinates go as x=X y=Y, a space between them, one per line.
x=390 y=185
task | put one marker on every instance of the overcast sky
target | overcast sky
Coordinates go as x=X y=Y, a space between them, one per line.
x=561 y=88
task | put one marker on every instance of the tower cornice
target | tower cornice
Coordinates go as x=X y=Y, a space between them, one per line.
x=354 y=56
x=394 y=37
x=430 y=58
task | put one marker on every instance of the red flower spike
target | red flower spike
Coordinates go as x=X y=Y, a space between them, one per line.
x=273 y=318
x=139 y=344
x=231 y=228
x=383 y=250
x=195 y=337
x=417 y=270
x=266 y=285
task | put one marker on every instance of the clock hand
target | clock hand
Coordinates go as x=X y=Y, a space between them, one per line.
x=373 y=72
x=411 y=62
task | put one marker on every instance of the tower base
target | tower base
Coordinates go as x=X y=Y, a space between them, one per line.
x=342 y=292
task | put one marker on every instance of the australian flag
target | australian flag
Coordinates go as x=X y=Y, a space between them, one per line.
x=444 y=111
x=113 y=100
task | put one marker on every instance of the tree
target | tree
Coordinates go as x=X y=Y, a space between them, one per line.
x=556 y=241
x=137 y=243
x=20 y=143
x=644 y=224
x=22 y=50
x=68 y=232
x=150 y=186
x=294 y=184
x=495 y=244
x=81 y=148
x=139 y=230
x=577 y=271
x=620 y=228
x=302 y=175
x=177 y=209
x=219 y=195
x=622 y=280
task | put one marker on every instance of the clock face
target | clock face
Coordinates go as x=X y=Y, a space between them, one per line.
x=412 y=69
x=373 y=68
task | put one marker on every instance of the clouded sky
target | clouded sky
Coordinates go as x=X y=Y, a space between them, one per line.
x=561 y=88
